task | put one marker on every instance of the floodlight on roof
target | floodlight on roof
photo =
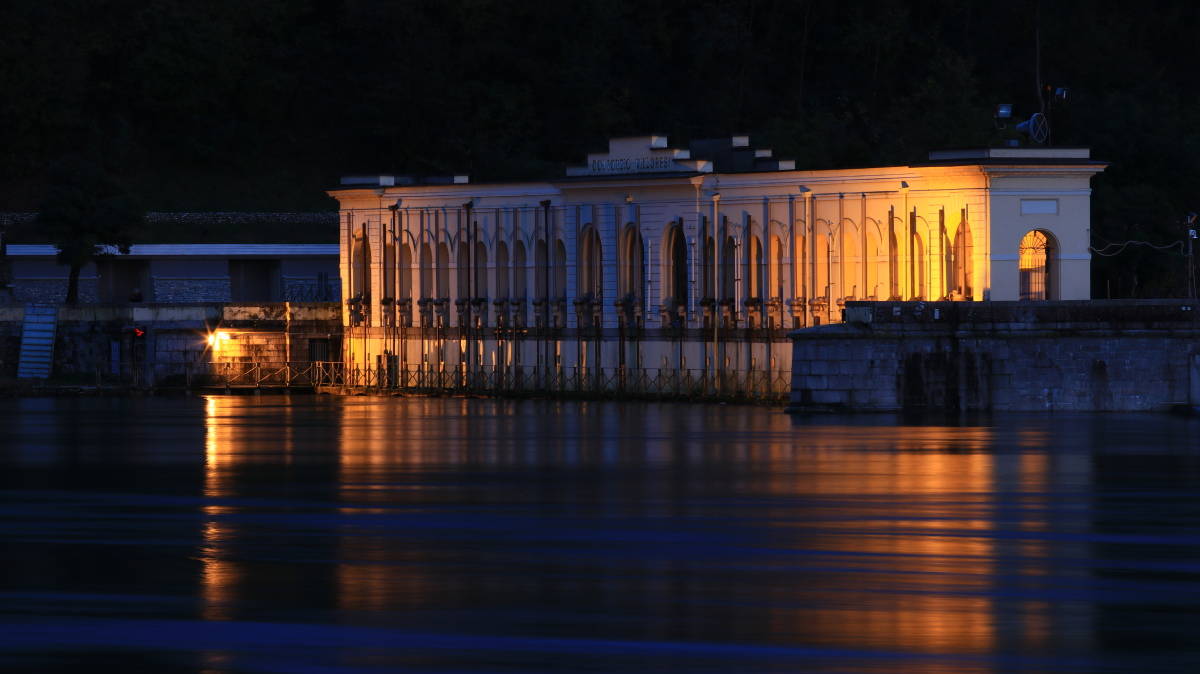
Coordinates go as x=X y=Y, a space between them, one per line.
x=1004 y=111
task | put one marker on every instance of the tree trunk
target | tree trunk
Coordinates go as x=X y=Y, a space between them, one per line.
x=73 y=284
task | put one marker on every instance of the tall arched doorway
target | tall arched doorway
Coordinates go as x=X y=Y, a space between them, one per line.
x=1036 y=258
x=631 y=280
x=591 y=276
x=675 y=276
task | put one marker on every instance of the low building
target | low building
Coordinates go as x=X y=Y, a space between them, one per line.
x=182 y=273
x=651 y=266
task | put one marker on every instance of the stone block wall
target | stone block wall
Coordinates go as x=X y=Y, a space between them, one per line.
x=52 y=290
x=309 y=289
x=252 y=347
x=1079 y=356
x=191 y=290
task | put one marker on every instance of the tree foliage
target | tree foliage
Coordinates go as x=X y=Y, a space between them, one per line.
x=86 y=214
x=241 y=106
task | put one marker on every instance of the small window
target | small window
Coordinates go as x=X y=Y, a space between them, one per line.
x=1039 y=207
x=318 y=349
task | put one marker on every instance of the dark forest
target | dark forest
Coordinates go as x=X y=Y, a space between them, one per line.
x=262 y=105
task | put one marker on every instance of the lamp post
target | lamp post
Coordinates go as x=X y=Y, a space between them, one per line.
x=545 y=341
x=1191 y=256
x=391 y=290
x=469 y=328
x=908 y=238
x=716 y=201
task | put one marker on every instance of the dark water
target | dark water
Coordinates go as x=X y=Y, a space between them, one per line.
x=318 y=534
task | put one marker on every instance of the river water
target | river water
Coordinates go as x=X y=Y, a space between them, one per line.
x=325 y=534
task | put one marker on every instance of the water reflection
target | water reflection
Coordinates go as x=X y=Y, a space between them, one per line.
x=219 y=575
x=370 y=534
x=677 y=527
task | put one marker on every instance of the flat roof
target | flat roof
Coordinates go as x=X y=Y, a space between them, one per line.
x=196 y=250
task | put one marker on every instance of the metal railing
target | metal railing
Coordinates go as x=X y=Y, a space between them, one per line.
x=763 y=386
x=259 y=375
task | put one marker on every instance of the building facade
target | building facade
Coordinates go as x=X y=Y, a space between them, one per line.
x=651 y=266
x=181 y=273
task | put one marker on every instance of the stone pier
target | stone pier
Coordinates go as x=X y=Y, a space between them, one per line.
x=1098 y=355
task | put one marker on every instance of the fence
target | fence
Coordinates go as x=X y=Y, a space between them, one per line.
x=518 y=381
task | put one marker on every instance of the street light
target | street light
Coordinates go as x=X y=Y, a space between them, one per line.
x=1002 y=114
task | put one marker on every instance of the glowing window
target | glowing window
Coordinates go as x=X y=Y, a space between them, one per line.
x=1035 y=266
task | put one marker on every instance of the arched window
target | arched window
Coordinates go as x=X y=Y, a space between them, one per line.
x=389 y=266
x=963 y=276
x=946 y=289
x=360 y=268
x=754 y=270
x=728 y=269
x=850 y=259
x=404 y=274
x=799 y=256
x=877 y=266
x=824 y=260
x=443 y=271
x=1036 y=257
x=426 y=272
x=918 y=267
x=481 y=270
x=893 y=265
x=463 y=272
x=591 y=275
x=540 y=270
x=675 y=275
x=501 y=270
x=775 y=275
x=631 y=281
x=559 y=291
x=519 y=271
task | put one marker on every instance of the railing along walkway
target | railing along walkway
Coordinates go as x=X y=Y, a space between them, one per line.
x=536 y=381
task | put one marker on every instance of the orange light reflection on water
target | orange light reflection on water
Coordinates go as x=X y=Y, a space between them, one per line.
x=218 y=577
x=903 y=516
x=907 y=513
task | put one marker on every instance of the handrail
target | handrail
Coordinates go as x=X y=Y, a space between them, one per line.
x=507 y=380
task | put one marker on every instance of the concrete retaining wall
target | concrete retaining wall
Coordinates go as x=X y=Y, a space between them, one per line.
x=965 y=356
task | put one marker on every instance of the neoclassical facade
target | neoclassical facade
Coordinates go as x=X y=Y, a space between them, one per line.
x=650 y=258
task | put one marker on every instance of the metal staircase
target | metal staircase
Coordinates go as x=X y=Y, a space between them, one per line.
x=37 y=341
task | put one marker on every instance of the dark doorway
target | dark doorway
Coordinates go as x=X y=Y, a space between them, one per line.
x=124 y=281
x=254 y=280
x=318 y=350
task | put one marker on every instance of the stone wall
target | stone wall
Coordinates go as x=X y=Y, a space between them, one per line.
x=311 y=289
x=967 y=356
x=52 y=290
x=191 y=290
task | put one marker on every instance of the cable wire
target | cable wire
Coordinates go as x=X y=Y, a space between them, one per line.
x=1107 y=251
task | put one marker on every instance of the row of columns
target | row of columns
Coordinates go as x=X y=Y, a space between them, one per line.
x=822 y=258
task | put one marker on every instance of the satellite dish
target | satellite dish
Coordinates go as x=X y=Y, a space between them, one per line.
x=1036 y=127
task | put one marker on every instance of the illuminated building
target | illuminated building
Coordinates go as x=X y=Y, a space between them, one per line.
x=699 y=260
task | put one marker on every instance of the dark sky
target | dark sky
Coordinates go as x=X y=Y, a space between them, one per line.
x=260 y=106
